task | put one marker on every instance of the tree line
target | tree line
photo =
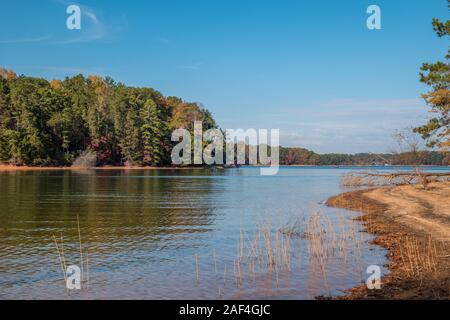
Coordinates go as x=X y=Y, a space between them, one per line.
x=95 y=121
x=301 y=156
x=92 y=119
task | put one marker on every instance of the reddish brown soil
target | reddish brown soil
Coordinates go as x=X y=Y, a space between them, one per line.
x=393 y=215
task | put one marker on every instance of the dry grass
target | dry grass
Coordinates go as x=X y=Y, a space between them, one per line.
x=196 y=267
x=418 y=256
x=267 y=254
x=63 y=262
x=81 y=247
x=417 y=264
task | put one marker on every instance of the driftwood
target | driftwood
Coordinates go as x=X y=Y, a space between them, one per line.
x=357 y=179
x=397 y=174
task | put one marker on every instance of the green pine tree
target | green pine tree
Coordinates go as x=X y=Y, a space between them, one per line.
x=154 y=133
x=437 y=76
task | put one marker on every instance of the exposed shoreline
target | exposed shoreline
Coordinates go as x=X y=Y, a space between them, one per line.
x=413 y=224
x=6 y=167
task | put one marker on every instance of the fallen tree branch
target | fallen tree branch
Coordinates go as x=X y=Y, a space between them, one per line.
x=422 y=174
x=393 y=178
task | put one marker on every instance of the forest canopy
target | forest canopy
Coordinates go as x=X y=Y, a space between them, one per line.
x=90 y=119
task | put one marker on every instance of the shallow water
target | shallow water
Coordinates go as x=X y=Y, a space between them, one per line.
x=177 y=234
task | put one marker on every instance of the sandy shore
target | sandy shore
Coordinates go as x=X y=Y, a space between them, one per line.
x=414 y=225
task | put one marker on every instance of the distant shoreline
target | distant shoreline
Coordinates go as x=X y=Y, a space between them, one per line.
x=6 y=167
x=413 y=224
x=351 y=166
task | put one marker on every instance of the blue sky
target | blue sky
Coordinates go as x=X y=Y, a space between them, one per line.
x=310 y=68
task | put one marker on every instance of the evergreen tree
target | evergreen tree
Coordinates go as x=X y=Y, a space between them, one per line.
x=437 y=76
x=154 y=133
x=5 y=120
x=131 y=146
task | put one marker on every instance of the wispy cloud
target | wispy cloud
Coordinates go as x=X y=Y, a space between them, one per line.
x=71 y=70
x=164 y=40
x=92 y=30
x=349 y=125
x=26 y=40
x=91 y=15
x=195 y=66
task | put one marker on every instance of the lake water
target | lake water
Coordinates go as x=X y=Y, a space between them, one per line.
x=180 y=234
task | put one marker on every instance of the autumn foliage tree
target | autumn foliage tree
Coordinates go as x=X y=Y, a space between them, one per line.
x=59 y=122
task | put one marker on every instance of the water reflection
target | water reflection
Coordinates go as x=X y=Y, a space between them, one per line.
x=142 y=229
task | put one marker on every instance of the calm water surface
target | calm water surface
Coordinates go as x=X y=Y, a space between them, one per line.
x=176 y=234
